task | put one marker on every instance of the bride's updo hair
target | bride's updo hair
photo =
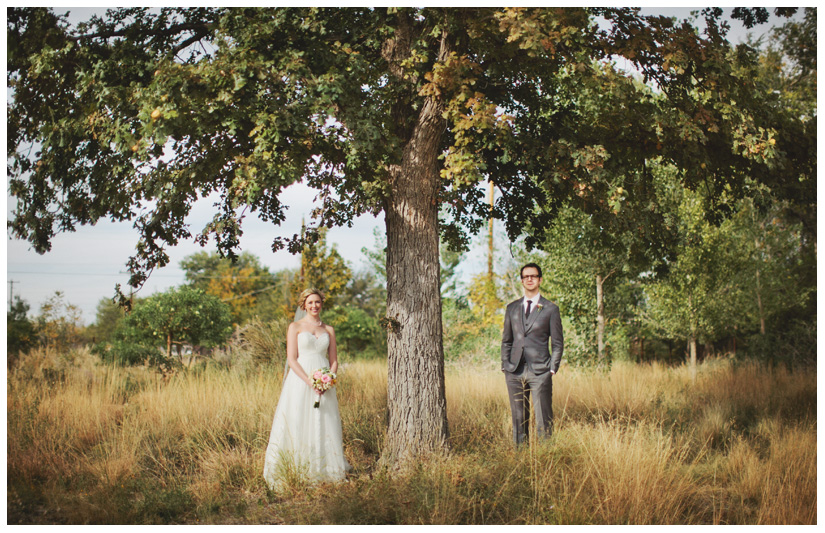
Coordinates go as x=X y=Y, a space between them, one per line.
x=302 y=299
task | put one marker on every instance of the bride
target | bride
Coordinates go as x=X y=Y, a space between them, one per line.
x=306 y=441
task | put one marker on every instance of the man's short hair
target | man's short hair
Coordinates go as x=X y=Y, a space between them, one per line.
x=528 y=265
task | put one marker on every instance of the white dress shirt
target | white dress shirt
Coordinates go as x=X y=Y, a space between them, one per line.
x=534 y=299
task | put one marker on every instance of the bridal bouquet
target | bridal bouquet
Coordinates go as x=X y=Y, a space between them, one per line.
x=323 y=379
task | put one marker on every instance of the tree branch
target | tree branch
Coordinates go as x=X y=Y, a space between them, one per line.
x=165 y=32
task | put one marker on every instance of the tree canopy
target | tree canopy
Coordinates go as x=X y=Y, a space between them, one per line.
x=160 y=107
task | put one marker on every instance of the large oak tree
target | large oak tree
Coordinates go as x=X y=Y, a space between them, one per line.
x=137 y=114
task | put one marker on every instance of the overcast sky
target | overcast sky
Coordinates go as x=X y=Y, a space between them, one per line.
x=86 y=265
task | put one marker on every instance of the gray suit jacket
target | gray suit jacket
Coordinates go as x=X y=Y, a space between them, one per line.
x=532 y=338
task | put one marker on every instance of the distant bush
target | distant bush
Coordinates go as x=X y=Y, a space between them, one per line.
x=19 y=330
x=792 y=345
x=124 y=351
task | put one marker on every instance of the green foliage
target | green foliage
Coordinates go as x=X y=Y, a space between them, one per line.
x=239 y=282
x=303 y=93
x=358 y=334
x=450 y=260
x=279 y=302
x=107 y=320
x=20 y=332
x=772 y=270
x=127 y=349
x=689 y=302
x=791 y=344
x=367 y=292
x=728 y=280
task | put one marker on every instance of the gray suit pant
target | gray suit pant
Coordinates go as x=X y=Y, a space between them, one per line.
x=521 y=384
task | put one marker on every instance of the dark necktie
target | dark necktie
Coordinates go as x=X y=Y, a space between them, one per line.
x=527 y=313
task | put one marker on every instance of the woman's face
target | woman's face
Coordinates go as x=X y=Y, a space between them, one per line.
x=313 y=304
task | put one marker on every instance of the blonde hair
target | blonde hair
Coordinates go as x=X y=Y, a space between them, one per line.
x=302 y=299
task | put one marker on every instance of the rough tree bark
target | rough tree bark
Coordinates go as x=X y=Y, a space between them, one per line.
x=416 y=396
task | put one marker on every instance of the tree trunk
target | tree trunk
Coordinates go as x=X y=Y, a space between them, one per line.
x=600 y=316
x=415 y=377
x=759 y=303
x=692 y=345
x=168 y=345
x=692 y=340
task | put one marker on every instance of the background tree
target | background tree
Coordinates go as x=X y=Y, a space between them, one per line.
x=178 y=317
x=240 y=283
x=107 y=319
x=598 y=252
x=773 y=274
x=323 y=269
x=771 y=249
x=787 y=72
x=401 y=110
x=376 y=256
x=699 y=299
x=59 y=325
x=587 y=261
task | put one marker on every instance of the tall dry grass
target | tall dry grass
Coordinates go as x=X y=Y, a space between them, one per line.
x=88 y=443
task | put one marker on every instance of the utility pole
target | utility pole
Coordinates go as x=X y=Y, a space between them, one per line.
x=490 y=238
x=11 y=292
x=303 y=273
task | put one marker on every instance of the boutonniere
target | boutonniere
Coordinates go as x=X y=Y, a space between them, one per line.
x=539 y=307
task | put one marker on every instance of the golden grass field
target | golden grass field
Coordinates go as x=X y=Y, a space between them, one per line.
x=89 y=443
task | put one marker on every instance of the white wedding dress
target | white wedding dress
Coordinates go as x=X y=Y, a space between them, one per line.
x=306 y=441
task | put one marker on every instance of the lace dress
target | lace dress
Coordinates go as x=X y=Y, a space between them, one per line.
x=306 y=442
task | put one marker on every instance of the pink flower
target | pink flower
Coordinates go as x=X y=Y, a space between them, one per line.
x=325 y=378
x=317 y=374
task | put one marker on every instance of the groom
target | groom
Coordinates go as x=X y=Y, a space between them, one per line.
x=531 y=325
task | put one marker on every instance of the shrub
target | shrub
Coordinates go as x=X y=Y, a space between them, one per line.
x=20 y=330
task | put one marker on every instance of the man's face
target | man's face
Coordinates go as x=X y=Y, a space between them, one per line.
x=530 y=279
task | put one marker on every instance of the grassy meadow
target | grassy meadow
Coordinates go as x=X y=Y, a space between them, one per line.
x=90 y=443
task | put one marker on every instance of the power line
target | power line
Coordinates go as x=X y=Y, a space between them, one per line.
x=89 y=274
x=156 y=275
